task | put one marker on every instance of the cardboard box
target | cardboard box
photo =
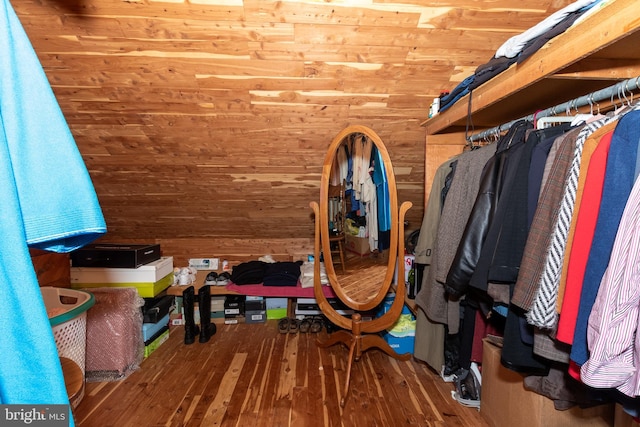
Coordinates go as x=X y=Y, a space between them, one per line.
x=150 y=330
x=147 y=273
x=357 y=245
x=276 y=302
x=254 y=305
x=310 y=307
x=145 y=290
x=623 y=419
x=277 y=308
x=209 y=264
x=153 y=346
x=155 y=309
x=255 y=316
x=401 y=336
x=175 y=319
x=234 y=302
x=218 y=318
x=114 y=255
x=401 y=345
x=276 y=313
x=233 y=320
x=504 y=402
x=217 y=303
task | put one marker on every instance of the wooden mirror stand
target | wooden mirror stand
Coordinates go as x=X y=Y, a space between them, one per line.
x=365 y=289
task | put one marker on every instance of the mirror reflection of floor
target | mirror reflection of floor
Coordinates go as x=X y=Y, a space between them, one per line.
x=355 y=264
x=364 y=274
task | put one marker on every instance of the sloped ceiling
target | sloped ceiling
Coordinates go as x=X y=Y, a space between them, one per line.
x=210 y=119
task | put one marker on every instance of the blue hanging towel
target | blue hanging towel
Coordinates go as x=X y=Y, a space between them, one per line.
x=48 y=202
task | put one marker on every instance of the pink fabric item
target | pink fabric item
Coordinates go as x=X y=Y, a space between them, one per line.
x=279 y=291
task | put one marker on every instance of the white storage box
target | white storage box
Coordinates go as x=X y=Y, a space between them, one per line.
x=148 y=273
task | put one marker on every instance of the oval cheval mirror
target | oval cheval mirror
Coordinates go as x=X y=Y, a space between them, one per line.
x=361 y=287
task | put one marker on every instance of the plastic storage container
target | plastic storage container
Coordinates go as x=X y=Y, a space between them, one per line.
x=67 y=311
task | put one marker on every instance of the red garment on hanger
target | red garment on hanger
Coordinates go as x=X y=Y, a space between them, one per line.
x=583 y=236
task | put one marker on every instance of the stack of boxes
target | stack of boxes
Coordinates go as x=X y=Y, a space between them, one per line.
x=155 y=326
x=255 y=310
x=122 y=266
x=141 y=267
x=309 y=307
x=234 y=309
x=217 y=308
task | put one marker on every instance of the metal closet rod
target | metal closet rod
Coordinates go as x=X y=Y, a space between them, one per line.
x=619 y=89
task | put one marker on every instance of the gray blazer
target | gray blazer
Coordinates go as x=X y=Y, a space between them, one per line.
x=455 y=212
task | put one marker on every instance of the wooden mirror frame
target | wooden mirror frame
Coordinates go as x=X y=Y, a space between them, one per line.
x=345 y=293
x=357 y=334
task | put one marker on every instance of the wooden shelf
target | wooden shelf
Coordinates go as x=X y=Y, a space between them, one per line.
x=590 y=56
x=200 y=278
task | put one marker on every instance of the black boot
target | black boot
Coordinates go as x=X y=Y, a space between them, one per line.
x=190 y=327
x=206 y=327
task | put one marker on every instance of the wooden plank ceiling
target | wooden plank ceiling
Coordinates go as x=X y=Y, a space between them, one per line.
x=205 y=123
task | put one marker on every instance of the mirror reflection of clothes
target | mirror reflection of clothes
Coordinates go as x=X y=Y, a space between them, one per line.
x=379 y=177
x=371 y=211
x=360 y=163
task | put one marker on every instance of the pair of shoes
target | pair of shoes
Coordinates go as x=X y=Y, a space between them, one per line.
x=283 y=325
x=211 y=278
x=316 y=324
x=469 y=403
x=447 y=378
x=215 y=279
x=468 y=383
x=223 y=279
x=305 y=325
x=206 y=329
x=311 y=324
x=286 y=325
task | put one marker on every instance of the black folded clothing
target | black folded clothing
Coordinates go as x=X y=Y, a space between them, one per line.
x=282 y=274
x=248 y=273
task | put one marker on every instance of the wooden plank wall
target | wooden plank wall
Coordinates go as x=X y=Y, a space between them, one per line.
x=204 y=123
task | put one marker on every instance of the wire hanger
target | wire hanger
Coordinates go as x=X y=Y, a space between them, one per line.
x=545 y=122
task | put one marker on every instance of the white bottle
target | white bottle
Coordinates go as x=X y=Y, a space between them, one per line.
x=436 y=106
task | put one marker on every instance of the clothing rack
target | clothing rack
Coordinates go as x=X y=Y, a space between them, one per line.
x=619 y=89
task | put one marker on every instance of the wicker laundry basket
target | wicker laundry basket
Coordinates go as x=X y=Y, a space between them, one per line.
x=67 y=311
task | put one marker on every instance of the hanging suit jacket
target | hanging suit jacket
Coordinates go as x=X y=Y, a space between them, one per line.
x=539 y=236
x=501 y=257
x=464 y=188
x=479 y=223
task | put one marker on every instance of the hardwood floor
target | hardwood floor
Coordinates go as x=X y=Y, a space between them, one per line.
x=252 y=375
